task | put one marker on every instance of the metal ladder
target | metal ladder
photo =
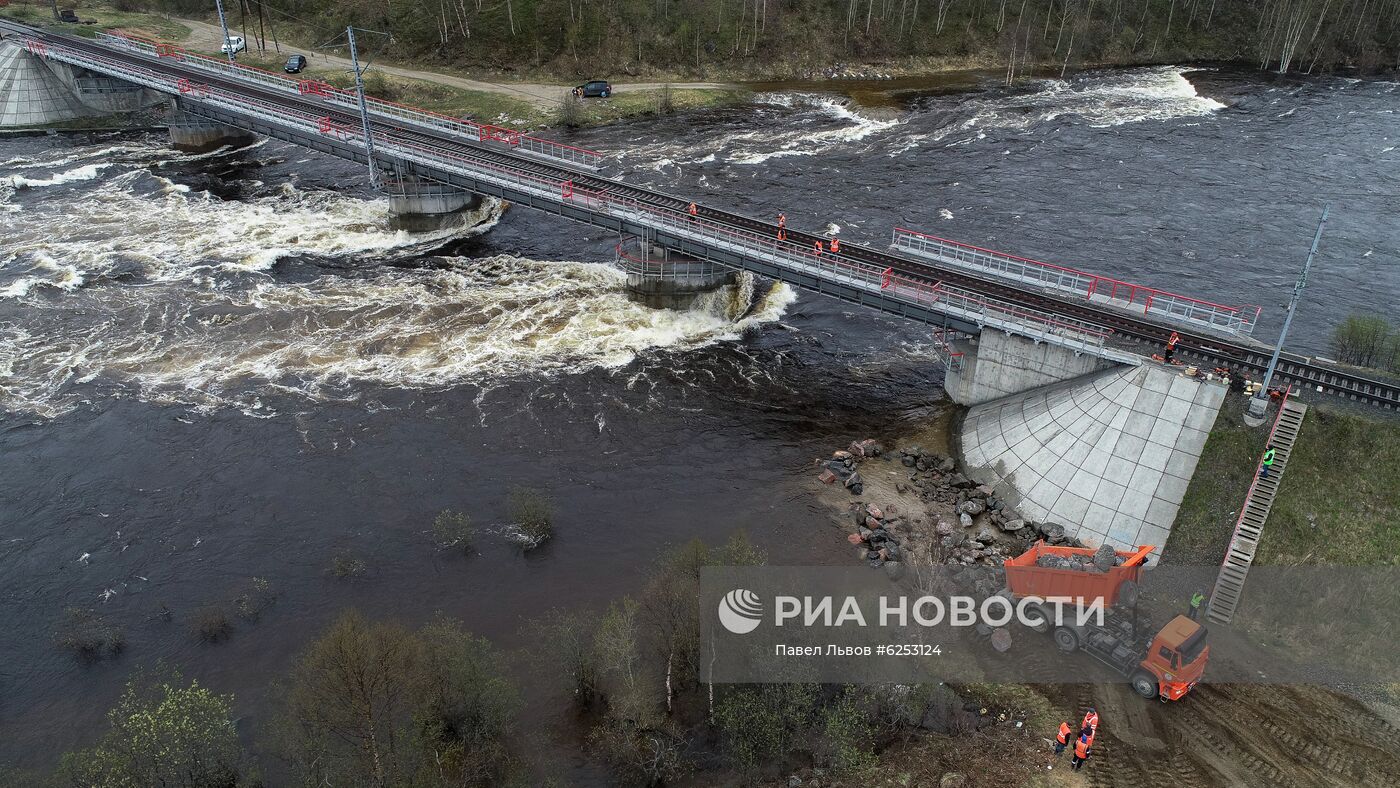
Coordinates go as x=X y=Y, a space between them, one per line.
x=1229 y=584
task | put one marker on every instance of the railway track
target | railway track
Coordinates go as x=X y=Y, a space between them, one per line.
x=1144 y=334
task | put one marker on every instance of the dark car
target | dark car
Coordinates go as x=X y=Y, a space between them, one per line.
x=295 y=64
x=68 y=15
x=597 y=88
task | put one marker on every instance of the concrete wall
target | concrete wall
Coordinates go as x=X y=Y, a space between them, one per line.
x=672 y=280
x=31 y=94
x=996 y=365
x=197 y=134
x=1108 y=455
x=102 y=93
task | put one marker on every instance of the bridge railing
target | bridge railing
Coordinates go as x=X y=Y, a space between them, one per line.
x=480 y=132
x=1234 y=319
x=789 y=255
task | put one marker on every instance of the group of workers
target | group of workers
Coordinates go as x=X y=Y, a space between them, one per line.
x=1083 y=742
x=834 y=245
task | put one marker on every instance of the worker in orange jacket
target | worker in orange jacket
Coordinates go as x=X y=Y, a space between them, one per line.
x=835 y=245
x=1171 y=347
x=1061 y=740
x=1082 y=748
x=1091 y=721
x=694 y=209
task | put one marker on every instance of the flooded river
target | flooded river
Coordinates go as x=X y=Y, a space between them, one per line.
x=215 y=368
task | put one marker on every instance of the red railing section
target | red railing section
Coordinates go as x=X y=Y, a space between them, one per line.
x=1088 y=285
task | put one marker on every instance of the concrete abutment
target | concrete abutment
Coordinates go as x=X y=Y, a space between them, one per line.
x=1105 y=449
x=200 y=135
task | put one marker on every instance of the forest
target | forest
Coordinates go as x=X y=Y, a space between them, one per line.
x=806 y=38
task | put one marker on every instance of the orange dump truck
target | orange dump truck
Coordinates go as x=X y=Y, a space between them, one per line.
x=1163 y=665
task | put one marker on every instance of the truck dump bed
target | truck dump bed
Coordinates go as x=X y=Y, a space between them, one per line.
x=1025 y=578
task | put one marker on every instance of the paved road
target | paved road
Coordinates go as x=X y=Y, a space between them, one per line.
x=205 y=36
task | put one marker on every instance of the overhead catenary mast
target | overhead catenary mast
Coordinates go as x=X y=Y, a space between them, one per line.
x=223 y=23
x=1259 y=403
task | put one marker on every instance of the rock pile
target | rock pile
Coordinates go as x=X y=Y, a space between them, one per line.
x=1101 y=561
x=842 y=465
x=875 y=539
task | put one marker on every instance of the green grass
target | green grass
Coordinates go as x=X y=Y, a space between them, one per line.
x=1339 y=502
x=1340 y=498
x=1213 y=500
x=106 y=17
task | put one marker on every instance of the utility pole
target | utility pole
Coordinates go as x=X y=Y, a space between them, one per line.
x=223 y=23
x=364 y=110
x=1259 y=403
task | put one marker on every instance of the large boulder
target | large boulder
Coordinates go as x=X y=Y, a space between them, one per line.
x=973 y=507
x=1104 y=558
x=1012 y=525
x=965 y=519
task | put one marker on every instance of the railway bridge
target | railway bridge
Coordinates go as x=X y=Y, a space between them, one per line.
x=1071 y=420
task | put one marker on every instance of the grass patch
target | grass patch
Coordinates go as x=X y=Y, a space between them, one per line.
x=1339 y=502
x=105 y=16
x=1015 y=700
x=1340 y=498
x=1213 y=500
x=663 y=101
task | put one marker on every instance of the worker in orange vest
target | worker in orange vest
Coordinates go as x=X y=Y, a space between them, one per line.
x=782 y=220
x=1171 y=347
x=1082 y=747
x=694 y=209
x=835 y=245
x=1091 y=721
x=782 y=234
x=1061 y=741
x=817 y=245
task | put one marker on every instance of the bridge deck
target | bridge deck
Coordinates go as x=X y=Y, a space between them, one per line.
x=920 y=289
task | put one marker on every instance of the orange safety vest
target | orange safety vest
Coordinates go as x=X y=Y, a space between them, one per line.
x=835 y=245
x=1091 y=721
x=1175 y=338
x=782 y=234
x=1081 y=748
x=1063 y=737
x=693 y=209
x=818 y=246
x=782 y=220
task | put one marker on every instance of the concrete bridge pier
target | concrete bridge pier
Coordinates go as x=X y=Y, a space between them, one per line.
x=195 y=134
x=420 y=204
x=663 y=279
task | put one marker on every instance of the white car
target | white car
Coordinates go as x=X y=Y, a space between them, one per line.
x=233 y=45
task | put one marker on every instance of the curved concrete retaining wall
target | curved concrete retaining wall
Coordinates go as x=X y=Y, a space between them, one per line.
x=1107 y=455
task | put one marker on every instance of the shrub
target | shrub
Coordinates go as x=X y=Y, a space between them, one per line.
x=345 y=566
x=211 y=625
x=533 y=513
x=259 y=597
x=163 y=734
x=570 y=114
x=665 y=102
x=88 y=635
x=1363 y=340
x=453 y=530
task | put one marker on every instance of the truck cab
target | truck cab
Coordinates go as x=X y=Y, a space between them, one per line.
x=1174 y=661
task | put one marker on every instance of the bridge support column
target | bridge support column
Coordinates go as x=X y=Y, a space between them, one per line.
x=662 y=279
x=419 y=204
x=995 y=364
x=199 y=135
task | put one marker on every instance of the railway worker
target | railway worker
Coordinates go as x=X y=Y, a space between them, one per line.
x=1061 y=741
x=1268 y=462
x=835 y=244
x=694 y=210
x=1091 y=722
x=817 y=245
x=1082 y=747
x=1171 y=347
x=1196 y=600
x=782 y=221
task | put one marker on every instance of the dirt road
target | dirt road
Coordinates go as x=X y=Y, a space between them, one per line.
x=207 y=37
x=1236 y=735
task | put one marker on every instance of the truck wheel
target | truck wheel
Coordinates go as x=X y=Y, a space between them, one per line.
x=1127 y=593
x=1145 y=684
x=1044 y=625
x=1065 y=639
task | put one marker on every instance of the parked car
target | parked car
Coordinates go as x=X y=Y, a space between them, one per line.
x=233 y=45
x=68 y=15
x=597 y=88
x=295 y=64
